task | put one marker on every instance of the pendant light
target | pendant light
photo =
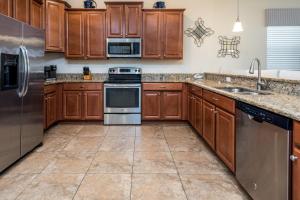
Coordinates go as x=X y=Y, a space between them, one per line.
x=238 y=27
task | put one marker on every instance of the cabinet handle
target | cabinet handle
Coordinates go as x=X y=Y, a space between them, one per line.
x=162 y=86
x=212 y=110
x=293 y=158
x=216 y=112
x=215 y=99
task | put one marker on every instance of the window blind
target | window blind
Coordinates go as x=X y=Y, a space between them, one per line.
x=283 y=47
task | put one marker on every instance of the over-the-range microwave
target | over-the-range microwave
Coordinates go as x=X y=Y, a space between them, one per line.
x=124 y=47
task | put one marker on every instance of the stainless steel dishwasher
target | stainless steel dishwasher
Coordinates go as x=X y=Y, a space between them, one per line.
x=262 y=153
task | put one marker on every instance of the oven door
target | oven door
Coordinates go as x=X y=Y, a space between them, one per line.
x=122 y=98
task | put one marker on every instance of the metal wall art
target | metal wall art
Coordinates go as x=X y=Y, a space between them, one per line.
x=229 y=46
x=199 y=32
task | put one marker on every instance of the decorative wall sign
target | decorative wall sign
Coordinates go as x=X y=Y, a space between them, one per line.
x=199 y=32
x=229 y=46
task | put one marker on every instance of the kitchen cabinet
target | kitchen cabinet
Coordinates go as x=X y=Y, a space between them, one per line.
x=6 y=7
x=52 y=105
x=163 y=33
x=55 y=25
x=37 y=14
x=195 y=108
x=209 y=123
x=296 y=163
x=124 y=19
x=21 y=10
x=85 y=34
x=225 y=137
x=83 y=101
x=162 y=101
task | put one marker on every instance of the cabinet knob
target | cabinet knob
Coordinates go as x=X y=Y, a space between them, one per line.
x=215 y=99
x=293 y=158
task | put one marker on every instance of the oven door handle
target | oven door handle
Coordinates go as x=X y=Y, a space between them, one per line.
x=122 y=85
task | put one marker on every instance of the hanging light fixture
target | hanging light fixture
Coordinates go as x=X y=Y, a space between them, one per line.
x=238 y=26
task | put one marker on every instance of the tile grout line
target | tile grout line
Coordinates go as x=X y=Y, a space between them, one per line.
x=186 y=196
x=131 y=183
x=86 y=173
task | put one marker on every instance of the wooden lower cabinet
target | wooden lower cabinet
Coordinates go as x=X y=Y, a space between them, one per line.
x=93 y=105
x=52 y=105
x=151 y=105
x=209 y=123
x=225 y=137
x=72 y=105
x=198 y=115
x=192 y=110
x=51 y=102
x=296 y=163
x=171 y=105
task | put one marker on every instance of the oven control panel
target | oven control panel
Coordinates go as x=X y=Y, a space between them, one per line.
x=125 y=70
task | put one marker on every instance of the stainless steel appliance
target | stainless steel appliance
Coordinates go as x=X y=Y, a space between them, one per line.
x=124 y=47
x=122 y=96
x=50 y=72
x=262 y=155
x=21 y=93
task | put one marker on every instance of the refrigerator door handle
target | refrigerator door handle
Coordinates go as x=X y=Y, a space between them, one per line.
x=22 y=72
x=27 y=70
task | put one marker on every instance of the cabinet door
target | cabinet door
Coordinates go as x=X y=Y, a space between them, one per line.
x=209 y=123
x=72 y=105
x=191 y=108
x=225 y=138
x=151 y=105
x=93 y=105
x=198 y=115
x=115 y=20
x=296 y=163
x=95 y=35
x=152 y=34
x=55 y=26
x=171 y=105
x=173 y=34
x=75 y=34
x=133 y=20
x=6 y=7
x=51 y=103
x=36 y=18
x=22 y=10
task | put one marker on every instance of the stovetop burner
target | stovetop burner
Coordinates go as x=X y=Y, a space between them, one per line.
x=130 y=75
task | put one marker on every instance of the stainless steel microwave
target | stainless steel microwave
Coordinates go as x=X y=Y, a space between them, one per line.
x=124 y=47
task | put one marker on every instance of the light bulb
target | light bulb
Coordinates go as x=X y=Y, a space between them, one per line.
x=238 y=27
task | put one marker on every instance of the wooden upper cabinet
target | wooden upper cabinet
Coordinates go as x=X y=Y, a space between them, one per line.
x=171 y=108
x=151 y=105
x=296 y=163
x=6 y=7
x=55 y=26
x=173 y=34
x=133 y=20
x=21 y=10
x=95 y=34
x=225 y=137
x=37 y=14
x=93 y=105
x=152 y=34
x=209 y=123
x=75 y=21
x=115 y=14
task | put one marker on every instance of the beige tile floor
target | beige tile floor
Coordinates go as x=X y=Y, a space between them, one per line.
x=96 y=162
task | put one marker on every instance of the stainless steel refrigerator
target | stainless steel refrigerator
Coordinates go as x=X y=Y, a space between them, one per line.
x=21 y=89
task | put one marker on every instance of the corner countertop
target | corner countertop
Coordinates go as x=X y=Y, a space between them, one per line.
x=286 y=105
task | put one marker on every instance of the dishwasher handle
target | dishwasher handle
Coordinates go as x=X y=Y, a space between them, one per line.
x=257 y=119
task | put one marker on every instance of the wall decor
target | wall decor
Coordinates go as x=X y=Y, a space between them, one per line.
x=229 y=46
x=199 y=32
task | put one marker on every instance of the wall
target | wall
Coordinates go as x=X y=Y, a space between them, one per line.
x=218 y=15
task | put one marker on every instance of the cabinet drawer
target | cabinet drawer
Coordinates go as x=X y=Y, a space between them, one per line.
x=49 y=89
x=196 y=90
x=162 y=86
x=297 y=134
x=82 y=86
x=220 y=101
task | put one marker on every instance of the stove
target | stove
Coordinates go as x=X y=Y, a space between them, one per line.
x=122 y=96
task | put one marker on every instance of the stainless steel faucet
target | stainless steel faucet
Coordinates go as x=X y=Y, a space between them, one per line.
x=259 y=83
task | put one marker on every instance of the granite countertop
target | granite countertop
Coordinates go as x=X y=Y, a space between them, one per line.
x=286 y=105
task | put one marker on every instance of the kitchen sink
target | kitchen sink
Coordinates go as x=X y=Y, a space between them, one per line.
x=244 y=91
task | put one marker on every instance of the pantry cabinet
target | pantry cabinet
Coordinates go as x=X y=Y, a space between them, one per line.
x=296 y=163
x=55 y=25
x=124 y=19
x=6 y=7
x=162 y=101
x=163 y=33
x=85 y=34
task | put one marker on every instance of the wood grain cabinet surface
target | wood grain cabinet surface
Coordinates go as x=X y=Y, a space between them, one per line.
x=163 y=33
x=85 y=34
x=55 y=26
x=171 y=105
x=296 y=164
x=151 y=105
x=37 y=14
x=72 y=105
x=209 y=119
x=6 y=7
x=52 y=104
x=21 y=10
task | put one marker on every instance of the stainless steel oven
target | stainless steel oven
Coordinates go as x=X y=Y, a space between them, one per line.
x=122 y=96
x=124 y=48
